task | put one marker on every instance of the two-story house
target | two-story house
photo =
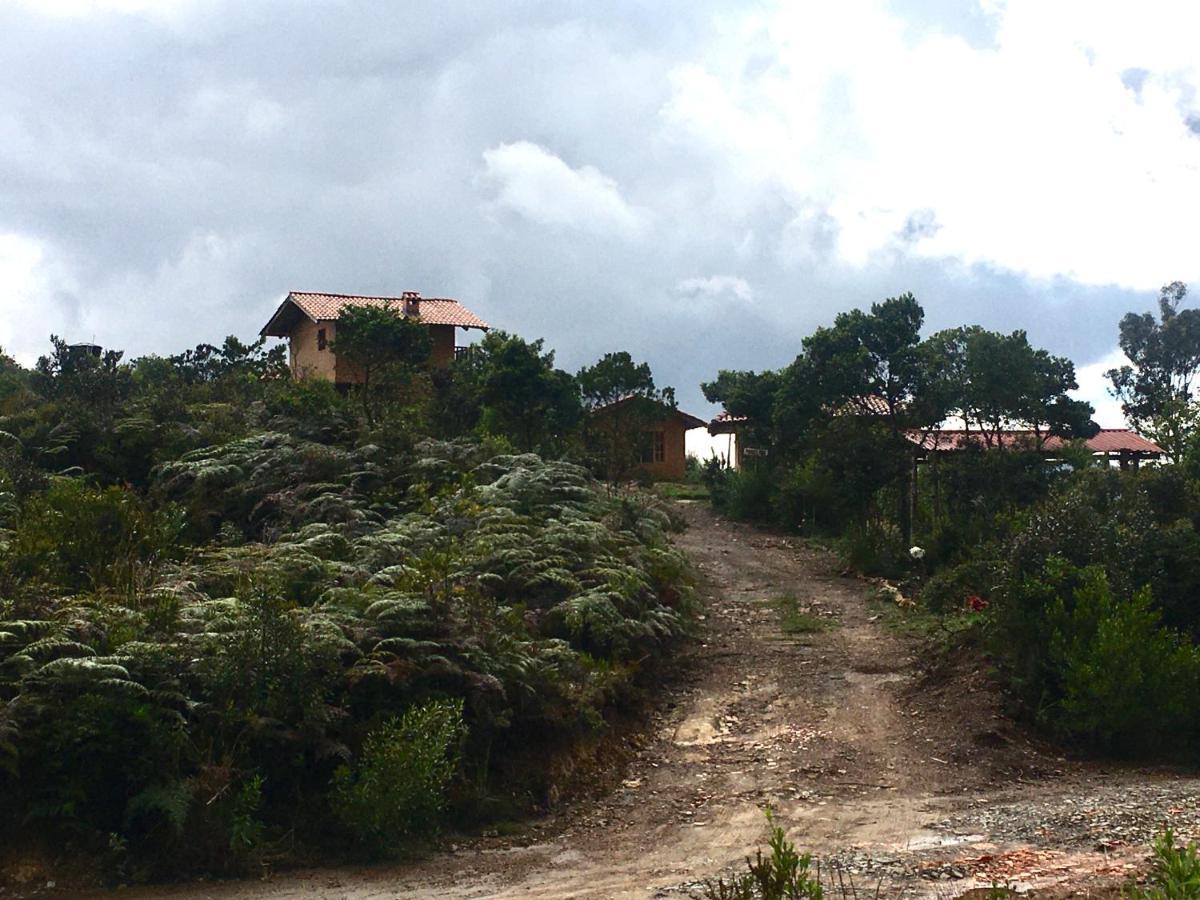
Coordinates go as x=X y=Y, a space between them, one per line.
x=309 y=322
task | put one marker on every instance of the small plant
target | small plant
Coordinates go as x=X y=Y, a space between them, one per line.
x=245 y=828
x=793 y=619
x=398 y=786
x=1174 y=873
x=784 y=875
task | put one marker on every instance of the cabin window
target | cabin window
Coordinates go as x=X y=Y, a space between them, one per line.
x=320 y=338
x=655 y=449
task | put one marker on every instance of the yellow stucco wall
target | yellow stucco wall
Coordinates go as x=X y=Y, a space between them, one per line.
x=309 y=362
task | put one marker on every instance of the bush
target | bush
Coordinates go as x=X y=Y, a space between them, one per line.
x=874 y=550
x=1128 y=684
x=247 y=672
x=397 y=788
x=744 y=493
x=84 y=538
x=1174 y=872
x=950 y=589
x=784 y=875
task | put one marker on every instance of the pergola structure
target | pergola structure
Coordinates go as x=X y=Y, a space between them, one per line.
x=1115 y=445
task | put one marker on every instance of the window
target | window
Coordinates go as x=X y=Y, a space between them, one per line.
x=320 y=338
x=654 y=450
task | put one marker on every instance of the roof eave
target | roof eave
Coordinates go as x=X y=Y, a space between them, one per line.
x=273 y=330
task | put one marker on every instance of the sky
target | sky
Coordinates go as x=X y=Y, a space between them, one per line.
x=699 y=183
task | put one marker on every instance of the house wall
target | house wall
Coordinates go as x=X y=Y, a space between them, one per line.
x=306 y=360
x=674 y=464
x=443 y=344
x=309 y=362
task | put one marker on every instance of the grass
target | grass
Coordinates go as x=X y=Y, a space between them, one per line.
x=794 y=620
x=684 y=491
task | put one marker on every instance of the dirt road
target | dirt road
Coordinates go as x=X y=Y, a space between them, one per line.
x=918 y=790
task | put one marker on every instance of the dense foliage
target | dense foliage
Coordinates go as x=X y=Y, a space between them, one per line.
x=244 y=617
x=1082 y=582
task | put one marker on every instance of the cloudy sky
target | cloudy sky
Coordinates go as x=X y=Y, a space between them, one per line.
x=699 y=183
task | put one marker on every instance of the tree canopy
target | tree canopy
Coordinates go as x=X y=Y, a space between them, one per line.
x=623 y=402
x=384 y=348
x=1156 y=390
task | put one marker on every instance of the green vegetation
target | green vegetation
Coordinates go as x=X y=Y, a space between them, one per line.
x=784 y=875
x=684 y=491
x=386 y=349
x=245 y=620
x=624 y=394
x=794 y=619
x=1078 y=581
x=398 y=786
x=1174 y=872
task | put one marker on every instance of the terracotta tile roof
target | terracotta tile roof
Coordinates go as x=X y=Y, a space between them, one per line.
x=328 y=307
x=1113 y=440
x=689 y=421
x=866 y=405
x=726 y=424
x=1107 y=440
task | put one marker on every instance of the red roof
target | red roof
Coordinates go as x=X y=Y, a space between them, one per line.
x=726 y=424
x=1107 y=440
x=689 y=421
x=864 y=405
x=328 y=307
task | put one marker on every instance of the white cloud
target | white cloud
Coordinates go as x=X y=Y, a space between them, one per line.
x=1031 y=155
x=236 y=110
x=716 y=286
x=29 y=278
x=1093 y=387
x=162 y=9
x=538 y=185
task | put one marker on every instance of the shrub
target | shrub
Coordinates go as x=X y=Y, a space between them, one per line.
x=874 y=550
x=1127 y=682
x=784 y=875
x=84 y=538
x=744 y=493
x=213 y=707
x=1174 y=872
x=398 y=785
x=950 y=589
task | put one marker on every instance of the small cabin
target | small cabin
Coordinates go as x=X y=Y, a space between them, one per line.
x=661 y=443
x=309 y=322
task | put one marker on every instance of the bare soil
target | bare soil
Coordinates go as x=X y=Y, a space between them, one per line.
x=901 y=786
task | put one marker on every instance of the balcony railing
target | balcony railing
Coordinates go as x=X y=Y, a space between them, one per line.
x=463 y=352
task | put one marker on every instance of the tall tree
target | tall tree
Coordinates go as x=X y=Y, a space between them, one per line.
x=870 y=365
x=1156 y=390
x=749 y=395
x=997 y=382
x=524 y=396
x=623 y=403
x=385 y=347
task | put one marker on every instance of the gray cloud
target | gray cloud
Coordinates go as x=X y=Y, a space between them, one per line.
x=182 y=173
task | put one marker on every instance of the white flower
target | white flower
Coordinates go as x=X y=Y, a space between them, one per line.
x=916 y=552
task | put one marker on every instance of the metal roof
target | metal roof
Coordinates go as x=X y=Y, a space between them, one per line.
x=328 y=307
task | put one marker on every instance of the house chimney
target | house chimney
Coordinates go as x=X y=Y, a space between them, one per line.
x=411 y=304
